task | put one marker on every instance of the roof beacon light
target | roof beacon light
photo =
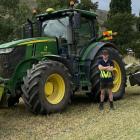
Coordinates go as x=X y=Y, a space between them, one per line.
x=50 y=10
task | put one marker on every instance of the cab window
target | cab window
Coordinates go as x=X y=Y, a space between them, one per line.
x=85 y=32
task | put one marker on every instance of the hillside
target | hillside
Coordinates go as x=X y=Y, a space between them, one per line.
x=102 y=14
x=31 y=3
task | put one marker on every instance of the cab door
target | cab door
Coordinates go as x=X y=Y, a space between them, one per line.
x=84 y=34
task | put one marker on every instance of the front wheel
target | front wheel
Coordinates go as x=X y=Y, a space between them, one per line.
x=119 y=75
x=47 y=87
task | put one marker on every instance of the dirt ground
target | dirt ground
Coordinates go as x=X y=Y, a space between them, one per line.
x=80 y=121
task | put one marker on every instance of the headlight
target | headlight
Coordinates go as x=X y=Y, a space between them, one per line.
x=7 y=50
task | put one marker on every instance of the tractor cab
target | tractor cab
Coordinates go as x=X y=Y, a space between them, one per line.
x=72 y=28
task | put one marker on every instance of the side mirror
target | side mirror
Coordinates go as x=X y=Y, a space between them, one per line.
x=76 y=21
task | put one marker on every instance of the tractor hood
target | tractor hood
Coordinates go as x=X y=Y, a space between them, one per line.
x=26 y=41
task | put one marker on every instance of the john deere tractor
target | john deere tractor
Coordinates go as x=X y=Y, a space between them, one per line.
x=57 y=57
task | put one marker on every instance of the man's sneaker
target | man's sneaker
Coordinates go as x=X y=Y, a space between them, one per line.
x=112 y=106
x=101 y=106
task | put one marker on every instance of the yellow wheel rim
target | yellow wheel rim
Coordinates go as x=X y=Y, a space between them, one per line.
x=117 y=77
x=54 y=89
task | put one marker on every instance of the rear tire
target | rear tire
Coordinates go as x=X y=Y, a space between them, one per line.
x=34 y=88
x=95 y=75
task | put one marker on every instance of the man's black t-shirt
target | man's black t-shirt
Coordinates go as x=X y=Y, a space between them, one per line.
x=106 y=76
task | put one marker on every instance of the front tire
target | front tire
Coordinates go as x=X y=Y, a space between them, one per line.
x=47 y=87
x=119 y=75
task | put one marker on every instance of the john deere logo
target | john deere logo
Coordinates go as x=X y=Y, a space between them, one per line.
x=44 y=52
x=45 y=48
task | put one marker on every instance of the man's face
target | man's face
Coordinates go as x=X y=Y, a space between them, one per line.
x=105 y=56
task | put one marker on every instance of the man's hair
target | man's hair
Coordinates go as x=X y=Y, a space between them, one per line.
x=105 y=52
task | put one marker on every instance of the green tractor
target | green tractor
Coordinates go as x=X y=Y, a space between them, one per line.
x=57 y=57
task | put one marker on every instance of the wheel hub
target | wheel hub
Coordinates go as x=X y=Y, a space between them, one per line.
x=49 y=88
x=54 y=89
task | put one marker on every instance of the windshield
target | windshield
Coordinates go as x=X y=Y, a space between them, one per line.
x=56 y=28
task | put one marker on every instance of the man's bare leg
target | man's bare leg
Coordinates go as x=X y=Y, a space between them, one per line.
x=110 y=95
x=111 y=99
x=102 y=96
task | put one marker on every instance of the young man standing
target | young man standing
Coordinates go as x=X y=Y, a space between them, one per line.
x=105 y=66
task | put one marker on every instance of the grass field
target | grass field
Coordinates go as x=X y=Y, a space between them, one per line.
x=81 y=121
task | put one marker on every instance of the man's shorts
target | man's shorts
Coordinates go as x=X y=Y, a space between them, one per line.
x=106 y=85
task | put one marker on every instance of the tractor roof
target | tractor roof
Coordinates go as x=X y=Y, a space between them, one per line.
x=65 y=12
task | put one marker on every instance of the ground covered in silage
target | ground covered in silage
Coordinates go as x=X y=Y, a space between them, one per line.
x=80 y=121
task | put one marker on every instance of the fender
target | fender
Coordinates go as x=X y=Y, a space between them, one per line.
x=63 y=60
x=90 y=53
x=20 y=71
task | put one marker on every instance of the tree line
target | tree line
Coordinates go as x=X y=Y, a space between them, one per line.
x=121 y=20
x=13 y=14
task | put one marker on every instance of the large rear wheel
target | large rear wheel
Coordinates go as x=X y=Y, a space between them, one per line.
x=47 y=87
x=119 y=75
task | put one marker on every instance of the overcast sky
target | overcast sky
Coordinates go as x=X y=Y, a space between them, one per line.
x=104 y=4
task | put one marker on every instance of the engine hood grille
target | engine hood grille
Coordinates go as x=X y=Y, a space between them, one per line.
x=8 y=62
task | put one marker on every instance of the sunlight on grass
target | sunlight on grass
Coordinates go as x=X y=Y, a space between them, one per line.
x=81 y=120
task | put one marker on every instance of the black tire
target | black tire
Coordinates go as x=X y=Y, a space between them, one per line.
x=95 y=75
x=33 y=87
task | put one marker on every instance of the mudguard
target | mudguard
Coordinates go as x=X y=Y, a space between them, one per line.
x=64 y=61
x=90 y=52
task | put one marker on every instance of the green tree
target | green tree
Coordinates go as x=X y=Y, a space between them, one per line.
x=61 y=4
x=12 y=16
x=120 y=6
x=88 y=5
x=9 y=6
x=6 y=27
x=21 y=15
x=137 y=41
x=56 y=4
x=122 y=21
x=123 y=24
x=138 y=23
